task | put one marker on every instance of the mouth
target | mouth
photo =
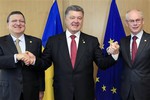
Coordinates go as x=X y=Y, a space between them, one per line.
x=75 y=24
x=17 y=27
x=135 y=28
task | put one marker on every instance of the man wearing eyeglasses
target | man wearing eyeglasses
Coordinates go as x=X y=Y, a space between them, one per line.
x=135 y=51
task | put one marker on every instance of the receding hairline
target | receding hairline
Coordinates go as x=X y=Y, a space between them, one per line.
x=15 y=13
x=137 y=10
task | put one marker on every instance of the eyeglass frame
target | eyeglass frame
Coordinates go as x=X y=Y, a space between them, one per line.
x=138 y=21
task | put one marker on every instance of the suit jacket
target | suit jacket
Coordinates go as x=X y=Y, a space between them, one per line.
x=16 y=77
x=136 y=76
x=72 y=83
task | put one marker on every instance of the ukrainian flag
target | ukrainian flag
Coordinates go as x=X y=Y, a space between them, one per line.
x=53 y=27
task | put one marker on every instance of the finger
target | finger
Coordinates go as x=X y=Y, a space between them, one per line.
x=116 y=42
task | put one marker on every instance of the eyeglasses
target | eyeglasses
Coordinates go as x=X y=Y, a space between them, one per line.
x=20 y=21
x=138 y=21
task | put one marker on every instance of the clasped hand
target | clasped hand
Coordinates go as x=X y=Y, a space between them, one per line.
x=28 y=58
x=113 y=48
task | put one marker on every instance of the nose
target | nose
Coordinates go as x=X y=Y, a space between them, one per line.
x=135 y=23
x=76 y=19
x=18 y=22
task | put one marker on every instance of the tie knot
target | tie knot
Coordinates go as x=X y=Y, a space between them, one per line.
x=17 y=40
x=134 y=37
x=73 y=36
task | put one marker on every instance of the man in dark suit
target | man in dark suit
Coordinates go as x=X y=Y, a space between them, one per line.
x=136 y=72
x=73 y=74
x=18 y=82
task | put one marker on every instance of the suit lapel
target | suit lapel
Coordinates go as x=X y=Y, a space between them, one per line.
x=81 y=49
x=141 y=46
x=64 y=49
x=11 y=45
x=127 y=50
x=28 y=43
x=65 y=52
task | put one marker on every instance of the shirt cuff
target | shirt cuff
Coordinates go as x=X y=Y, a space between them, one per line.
x=115 y=56
x=15 y=59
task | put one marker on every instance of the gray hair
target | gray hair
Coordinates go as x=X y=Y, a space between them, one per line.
x=127 y=14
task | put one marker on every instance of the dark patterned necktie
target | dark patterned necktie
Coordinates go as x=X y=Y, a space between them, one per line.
x=134 y=48
x=73 y=49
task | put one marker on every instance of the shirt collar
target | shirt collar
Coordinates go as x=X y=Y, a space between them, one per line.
x=68 y=34
x=21 y=38
x=139 y=35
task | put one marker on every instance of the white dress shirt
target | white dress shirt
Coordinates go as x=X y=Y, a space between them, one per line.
x=22 y=45
x=68 y=34
x=139 y=36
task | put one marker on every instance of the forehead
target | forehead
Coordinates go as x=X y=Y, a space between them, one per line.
x=16 y=16
x=74 y=13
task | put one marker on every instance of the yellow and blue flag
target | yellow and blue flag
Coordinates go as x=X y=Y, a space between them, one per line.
x=53 y=27
x=108 y=81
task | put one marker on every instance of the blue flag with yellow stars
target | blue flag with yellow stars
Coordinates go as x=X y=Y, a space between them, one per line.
x=108 y=81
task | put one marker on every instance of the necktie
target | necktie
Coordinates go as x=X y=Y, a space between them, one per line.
x=134 y=48
x=18 y=46
x=73 y=49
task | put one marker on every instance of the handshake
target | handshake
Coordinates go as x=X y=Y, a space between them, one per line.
x=113 y=48
x=28 y=58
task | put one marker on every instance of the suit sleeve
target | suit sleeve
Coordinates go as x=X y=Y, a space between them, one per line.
x=41 y=72
x=46 y=59
x=101 y=61
x=6 y=60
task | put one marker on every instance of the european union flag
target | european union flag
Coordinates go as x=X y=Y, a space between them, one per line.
x=108 y=81
x=53 y=27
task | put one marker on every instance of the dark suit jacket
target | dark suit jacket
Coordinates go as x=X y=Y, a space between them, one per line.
x=16 y=77
x=77 y=82
x=136 y=76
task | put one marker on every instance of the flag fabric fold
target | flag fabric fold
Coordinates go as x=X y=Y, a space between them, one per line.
x=108 y=81
x=53 y=27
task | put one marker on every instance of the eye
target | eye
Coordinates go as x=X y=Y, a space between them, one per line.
x=131 y=21
x=14 y=21
x=20 y=21
x=72 y=17
x=138 y=21
x=80 y=18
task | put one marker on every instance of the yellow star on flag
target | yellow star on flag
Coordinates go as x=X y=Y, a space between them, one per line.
x=110 y=41
x=104 y=88
x=102 y=46
x=113 y=90
x=97 y=79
